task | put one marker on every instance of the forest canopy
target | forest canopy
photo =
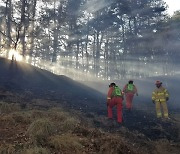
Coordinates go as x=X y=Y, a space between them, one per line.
x=108 y=39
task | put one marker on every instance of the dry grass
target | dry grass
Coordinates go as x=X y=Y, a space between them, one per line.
x=66 y=143
x=58 y=131
x=21 y=117
x=57 y=114
x=166 y=147
x=7 y=120
x=63 y=120
x=37 y=114
x=7 y=149
x=40 y=130
x=9 y=107
x=42 y=103
x=69 y=124
x=112 y=145
x=36 y=150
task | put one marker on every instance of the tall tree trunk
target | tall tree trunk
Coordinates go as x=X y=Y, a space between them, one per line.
x=135 y=26
x=94 y=51
x=23 y=27
x=55 y=36
x=86 y=47
x=98 y=48
x=123 y=67
x=32 y=30
x=97 y=53
x=77 y=54
x=0 y=34
x=82 y=56
x=106 y=58
x=8 y=23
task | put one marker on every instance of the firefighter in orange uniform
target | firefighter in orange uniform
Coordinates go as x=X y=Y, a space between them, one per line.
x=129 y=90
x=160 y=96
x=115 y=97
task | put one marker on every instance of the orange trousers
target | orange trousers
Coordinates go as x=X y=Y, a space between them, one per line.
x=116 y=101
x=129 y=99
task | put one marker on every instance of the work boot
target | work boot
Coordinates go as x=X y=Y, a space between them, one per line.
x=119 y=124
x=167 y=118
x=110 y=121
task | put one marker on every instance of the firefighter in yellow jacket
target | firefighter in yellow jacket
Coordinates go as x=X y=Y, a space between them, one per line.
x=160 y=96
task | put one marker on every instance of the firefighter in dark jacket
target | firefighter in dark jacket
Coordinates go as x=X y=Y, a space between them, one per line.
x=115 y=97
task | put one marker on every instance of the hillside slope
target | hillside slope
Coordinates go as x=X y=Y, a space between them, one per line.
x=34 y=88
x=20 y=77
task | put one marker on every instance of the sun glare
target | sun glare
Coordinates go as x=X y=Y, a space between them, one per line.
x=13 y=54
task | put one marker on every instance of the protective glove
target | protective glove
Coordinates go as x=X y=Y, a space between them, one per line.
x=167 y=98
x=153 y=101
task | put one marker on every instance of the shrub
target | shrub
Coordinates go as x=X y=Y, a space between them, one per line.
x=40 y=130
x=66 y=143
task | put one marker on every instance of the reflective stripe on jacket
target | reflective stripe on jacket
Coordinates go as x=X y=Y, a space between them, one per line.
x=160 y=94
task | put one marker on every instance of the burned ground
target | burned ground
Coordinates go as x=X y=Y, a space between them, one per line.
x=36 y=89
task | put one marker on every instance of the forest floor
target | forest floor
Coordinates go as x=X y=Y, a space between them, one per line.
x=36 y=117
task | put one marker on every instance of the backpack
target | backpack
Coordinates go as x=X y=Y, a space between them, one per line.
x=130 y=87
x=116 y=91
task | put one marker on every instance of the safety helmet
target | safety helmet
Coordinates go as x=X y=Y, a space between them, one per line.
x=158 y=82
x=130 y=81
x=112 y=84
